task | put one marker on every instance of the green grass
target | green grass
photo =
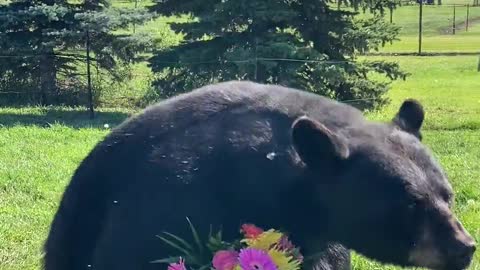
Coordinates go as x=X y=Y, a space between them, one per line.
x=41 y=147
x=447 y=85
x=39 y=150
x=35 y=164
x=462 y=41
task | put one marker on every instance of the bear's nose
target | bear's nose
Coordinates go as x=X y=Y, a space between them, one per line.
x=468 y=249
x=462 y=254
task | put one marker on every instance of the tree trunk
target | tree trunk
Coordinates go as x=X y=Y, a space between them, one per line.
x=48 y=77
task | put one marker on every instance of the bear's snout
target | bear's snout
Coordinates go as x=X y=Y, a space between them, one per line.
x=443 y=245
x=461 y=255
x=461 y=252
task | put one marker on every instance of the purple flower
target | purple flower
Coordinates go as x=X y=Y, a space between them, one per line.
x=284 y=244
x=255 y=259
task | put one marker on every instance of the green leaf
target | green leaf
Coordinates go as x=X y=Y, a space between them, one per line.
x=204 y=267
x=195 y=236
x=180 y=240
x=167 y=260
x=176 y=246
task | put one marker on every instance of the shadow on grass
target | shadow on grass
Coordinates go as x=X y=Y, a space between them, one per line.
x=46 y=117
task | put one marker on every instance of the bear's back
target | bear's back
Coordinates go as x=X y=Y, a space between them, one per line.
x=242 y=98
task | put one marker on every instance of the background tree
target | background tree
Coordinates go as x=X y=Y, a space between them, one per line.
x=266 y=41
x=42 y=41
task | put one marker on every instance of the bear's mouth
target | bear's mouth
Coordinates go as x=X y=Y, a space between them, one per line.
x=439 y=262
x=459 y=265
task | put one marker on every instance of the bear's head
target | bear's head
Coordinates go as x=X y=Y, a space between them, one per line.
x=386 y=196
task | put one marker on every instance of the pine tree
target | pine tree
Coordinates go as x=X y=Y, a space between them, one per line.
x=43 y=40
x=261 y=40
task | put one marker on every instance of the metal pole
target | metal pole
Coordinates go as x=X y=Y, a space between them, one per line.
x=89 y=79
x=478 y=67
x=391 y=14
x=420 y=18
x=453 y=29
x=468 y=13
x=134 y=25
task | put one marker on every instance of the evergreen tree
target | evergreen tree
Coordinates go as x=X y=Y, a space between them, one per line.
x=43 y=40
x=261 y=40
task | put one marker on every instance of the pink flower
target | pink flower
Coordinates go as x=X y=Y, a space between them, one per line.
x=255 y=259
x=286 y=245
x=225 y=260
x=178 y=266
x=251 y=231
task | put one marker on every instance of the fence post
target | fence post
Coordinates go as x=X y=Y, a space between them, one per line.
x=89 y=78
x=391 y=14
x=453 y=29
x=468 y=13
x=478 y=67
x=420 y=18
x=134 y=25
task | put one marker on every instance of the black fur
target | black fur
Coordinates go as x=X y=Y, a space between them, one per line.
x=239 y=152
x=410 y=117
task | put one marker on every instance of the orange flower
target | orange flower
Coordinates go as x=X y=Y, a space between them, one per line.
x=251 y=231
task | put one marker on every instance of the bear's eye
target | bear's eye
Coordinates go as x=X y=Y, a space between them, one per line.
x=447 y=197
x=414 y=204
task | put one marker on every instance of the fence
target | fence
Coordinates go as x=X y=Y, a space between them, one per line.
x=86 y=81
x=428 y=28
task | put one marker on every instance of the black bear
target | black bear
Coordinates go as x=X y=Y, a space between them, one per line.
x=237 y=152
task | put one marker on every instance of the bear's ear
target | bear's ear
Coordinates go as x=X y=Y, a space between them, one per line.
x=410 y=117
x=316 y=144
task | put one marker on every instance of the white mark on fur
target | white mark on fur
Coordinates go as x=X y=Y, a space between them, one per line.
x=271 y=155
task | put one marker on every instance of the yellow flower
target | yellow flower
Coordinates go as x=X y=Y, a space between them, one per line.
x=265 y=240
x=283 y=261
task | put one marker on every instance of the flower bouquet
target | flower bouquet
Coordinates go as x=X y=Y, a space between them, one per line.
x=256 y=250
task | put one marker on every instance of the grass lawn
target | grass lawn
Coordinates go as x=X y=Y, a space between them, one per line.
x=40 y=149
x=462 y=41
